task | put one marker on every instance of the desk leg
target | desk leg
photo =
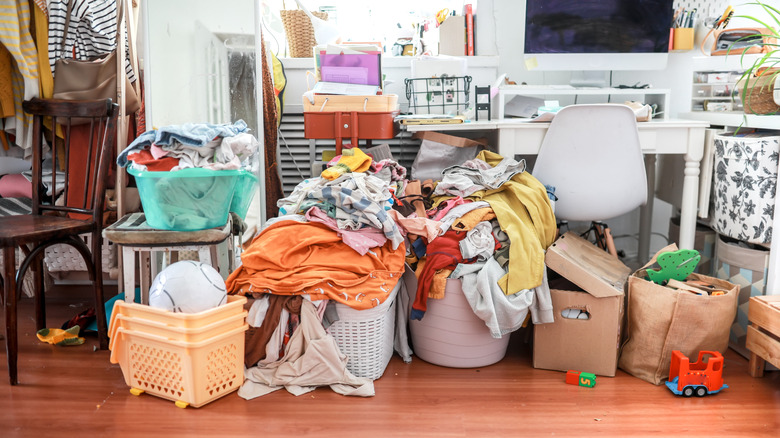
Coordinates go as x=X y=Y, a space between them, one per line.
x=646 y=211
x=690 y=200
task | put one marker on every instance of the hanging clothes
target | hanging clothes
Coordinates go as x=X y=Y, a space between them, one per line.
x=92 y=31
x=271 y=117
x=15 y=36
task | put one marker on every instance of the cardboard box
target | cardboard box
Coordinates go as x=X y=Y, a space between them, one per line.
x=587 y=345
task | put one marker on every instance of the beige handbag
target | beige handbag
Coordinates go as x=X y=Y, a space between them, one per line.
x=94 y=79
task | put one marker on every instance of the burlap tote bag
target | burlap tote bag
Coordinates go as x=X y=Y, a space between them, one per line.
x=661 y=319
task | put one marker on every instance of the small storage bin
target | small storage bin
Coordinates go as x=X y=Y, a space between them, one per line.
x=745 y=181
x=451 y=335
x=190 y=358
x=193 y=199
x=746 y=267
x=366 y=336
x=332 y=102
x=234 y=306
x=187 y=373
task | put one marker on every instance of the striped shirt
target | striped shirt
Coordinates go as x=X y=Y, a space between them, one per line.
x=92 y=31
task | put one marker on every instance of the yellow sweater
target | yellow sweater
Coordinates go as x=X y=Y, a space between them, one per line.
x=524 y=212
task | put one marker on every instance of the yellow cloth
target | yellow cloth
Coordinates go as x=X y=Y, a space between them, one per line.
x=524 y=212
x=15 y=36
x=439 y=283
x=472 y=218
x=352 y=160
x=45 y=78
x=57 y=336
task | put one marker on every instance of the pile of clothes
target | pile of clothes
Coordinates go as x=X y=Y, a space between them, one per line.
x=347 y=236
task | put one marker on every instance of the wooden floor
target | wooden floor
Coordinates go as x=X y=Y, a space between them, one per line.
x=75 y=391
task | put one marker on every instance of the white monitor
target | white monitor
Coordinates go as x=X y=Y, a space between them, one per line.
x=597 y=35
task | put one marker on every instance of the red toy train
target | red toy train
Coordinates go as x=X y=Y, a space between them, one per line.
x=700 y=378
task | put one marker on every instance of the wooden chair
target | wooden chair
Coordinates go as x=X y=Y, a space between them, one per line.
x=79 y=209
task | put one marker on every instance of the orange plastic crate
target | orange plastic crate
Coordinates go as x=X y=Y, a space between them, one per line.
x=353 y=125
x=234 y=306
x=188 y=373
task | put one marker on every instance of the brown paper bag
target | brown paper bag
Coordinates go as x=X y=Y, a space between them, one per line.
x=661 y=319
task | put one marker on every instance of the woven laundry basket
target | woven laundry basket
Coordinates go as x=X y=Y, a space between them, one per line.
x=366 y=336
x=300 y=32
x=760 y=96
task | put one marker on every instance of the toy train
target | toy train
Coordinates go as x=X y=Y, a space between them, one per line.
x=699 y=378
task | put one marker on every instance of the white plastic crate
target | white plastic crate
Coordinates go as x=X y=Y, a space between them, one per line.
x=366 y=336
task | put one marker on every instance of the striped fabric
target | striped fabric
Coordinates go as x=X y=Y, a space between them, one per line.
x=92 y=31
x=15 y=36
x=15 y=206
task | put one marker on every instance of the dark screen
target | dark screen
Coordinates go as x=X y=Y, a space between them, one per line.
x=597 y=26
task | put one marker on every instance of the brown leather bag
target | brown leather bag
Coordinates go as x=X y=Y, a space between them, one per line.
x=94 y=79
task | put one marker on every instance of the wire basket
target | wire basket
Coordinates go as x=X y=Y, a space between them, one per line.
x=300 y=32
x=441 y=95
x=366 y=336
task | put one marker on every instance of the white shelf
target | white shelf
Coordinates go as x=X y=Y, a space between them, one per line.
x=554 y=90
x=735 y=119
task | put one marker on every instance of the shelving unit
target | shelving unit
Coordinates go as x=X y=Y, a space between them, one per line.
x=657 y=96
x=729 y=69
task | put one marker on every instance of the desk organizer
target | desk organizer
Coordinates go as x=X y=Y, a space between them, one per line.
x=193 y=199
x=191 y=359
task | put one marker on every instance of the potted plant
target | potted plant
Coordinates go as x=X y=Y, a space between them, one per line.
x=763 y=75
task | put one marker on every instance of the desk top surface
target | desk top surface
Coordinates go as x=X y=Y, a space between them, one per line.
x=526 y=124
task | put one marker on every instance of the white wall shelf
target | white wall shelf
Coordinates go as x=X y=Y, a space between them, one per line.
x=735 y=119
x=657 y=96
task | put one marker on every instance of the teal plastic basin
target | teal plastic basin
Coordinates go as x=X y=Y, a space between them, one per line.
x=193 y=199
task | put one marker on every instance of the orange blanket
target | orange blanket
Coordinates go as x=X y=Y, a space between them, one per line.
x=290 y=258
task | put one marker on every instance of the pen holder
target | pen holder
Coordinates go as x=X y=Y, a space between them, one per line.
x=683 y=38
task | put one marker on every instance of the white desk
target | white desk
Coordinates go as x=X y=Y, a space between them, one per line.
x=686 y=137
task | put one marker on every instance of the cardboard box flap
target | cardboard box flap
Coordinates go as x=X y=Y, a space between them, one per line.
x=592 y=269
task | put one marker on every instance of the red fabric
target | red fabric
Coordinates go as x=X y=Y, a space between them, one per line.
x=442 y=253
x=144 y=157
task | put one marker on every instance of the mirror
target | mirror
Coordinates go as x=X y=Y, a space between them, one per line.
x=199 y=62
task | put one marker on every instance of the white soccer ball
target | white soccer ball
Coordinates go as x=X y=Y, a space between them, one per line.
x=187 y=287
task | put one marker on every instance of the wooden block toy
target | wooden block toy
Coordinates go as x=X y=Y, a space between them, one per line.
x=580 y=379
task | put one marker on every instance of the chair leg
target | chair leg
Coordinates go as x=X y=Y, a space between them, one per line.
x=100 y=307
x=11 y=345
x=40 y=294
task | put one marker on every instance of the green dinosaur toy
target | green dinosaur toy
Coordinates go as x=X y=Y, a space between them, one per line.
x=675 y=264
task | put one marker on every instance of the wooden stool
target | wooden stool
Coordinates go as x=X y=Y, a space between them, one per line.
x=134 y=235
x=763 y=333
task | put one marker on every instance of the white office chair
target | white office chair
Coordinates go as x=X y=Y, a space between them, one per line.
x=591 y=155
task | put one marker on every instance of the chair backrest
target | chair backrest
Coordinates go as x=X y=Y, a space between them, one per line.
x=81 y=155
x=591 y=155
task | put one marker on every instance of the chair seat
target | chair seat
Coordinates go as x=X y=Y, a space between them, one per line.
x=133 y=230
x=27 y=228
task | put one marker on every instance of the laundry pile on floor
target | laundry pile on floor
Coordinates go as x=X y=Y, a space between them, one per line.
x=346 y=236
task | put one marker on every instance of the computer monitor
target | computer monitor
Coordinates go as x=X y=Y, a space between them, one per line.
x=600 y=35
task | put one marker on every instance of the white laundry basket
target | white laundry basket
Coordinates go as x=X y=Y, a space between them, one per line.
x=366 y=336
